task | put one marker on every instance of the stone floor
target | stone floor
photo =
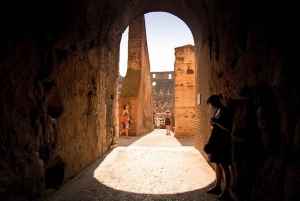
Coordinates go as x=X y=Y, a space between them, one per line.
x=152 y=166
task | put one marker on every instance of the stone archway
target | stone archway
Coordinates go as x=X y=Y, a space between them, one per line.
x=59 y=82
x=195 y=24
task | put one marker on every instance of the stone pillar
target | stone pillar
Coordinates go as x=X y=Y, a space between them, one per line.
x=184 y=82
x=137 y=88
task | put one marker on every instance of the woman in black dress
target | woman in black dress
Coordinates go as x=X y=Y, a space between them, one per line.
x=219 y=145
x=168 y=122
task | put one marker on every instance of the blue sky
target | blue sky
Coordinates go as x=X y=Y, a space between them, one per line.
x=164 y=32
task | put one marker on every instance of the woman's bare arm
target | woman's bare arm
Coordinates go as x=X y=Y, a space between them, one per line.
x=220 y=125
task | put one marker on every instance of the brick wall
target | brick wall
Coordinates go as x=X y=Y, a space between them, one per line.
x=137 y=89
x=184 y=82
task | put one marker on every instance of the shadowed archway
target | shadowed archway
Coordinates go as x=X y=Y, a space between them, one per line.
x=58 y=70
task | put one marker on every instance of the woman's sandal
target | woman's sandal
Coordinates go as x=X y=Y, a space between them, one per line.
x=214 y=190
x=225 y=196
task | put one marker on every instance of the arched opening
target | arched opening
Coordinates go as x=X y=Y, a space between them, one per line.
x=167 y=36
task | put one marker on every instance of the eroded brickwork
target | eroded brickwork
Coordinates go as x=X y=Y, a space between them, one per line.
x=184 y=82
x=163 y=95
x=137 y=89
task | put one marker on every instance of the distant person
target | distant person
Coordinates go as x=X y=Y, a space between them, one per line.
x=219 y=145
x=126 y=121
x=168 y=122
x=157 y=122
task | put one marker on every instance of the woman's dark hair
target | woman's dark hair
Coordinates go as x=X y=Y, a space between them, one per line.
x=215 y=100
x=124 y=107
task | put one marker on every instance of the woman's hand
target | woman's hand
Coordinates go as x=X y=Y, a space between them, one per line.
x=212 y=123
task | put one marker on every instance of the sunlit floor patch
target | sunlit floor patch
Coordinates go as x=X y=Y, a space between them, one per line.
x=154 y=170
x=153 y=166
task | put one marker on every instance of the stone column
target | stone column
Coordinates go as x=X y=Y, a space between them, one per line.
x=184 y=82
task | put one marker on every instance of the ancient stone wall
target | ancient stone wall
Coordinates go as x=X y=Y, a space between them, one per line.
x=163 y=94
x=184 y=87
x=137 y=89
x=56 y=117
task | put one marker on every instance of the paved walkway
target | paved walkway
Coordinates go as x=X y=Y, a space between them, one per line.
x=149 y=167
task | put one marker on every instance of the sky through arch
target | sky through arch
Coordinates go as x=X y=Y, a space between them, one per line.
x=164 y=32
